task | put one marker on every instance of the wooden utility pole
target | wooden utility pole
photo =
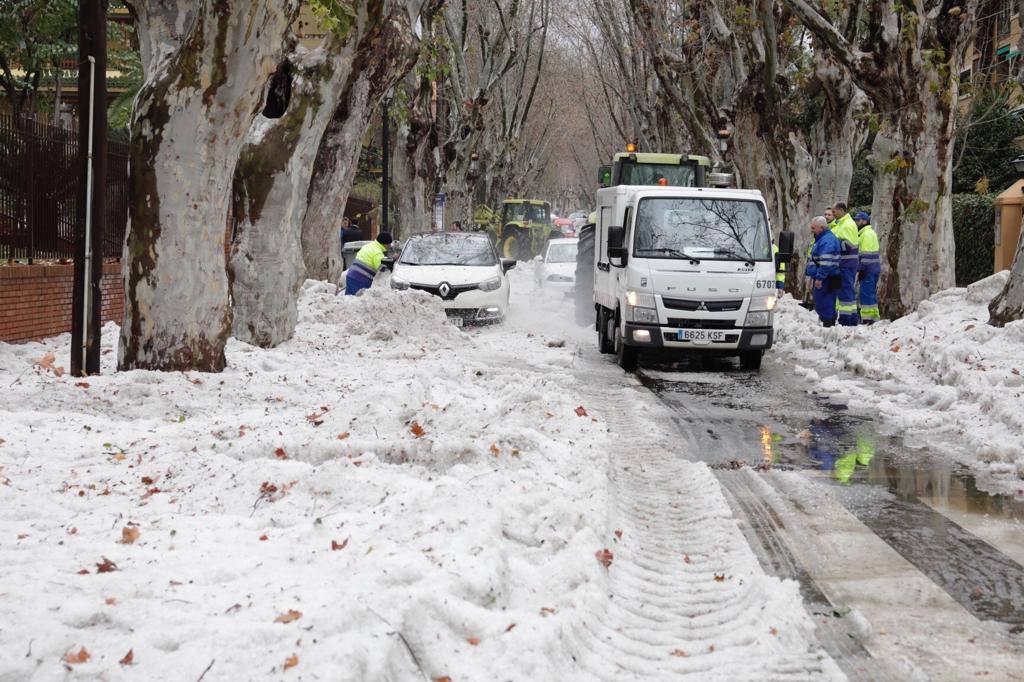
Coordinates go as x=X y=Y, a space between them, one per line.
x=86 y=300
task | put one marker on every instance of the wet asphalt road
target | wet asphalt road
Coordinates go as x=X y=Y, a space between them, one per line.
x=926 y=508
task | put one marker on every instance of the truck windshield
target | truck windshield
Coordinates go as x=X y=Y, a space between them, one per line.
x=711 y=229
x=650 y=173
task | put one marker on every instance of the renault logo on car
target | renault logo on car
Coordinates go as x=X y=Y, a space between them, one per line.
x=444 y=289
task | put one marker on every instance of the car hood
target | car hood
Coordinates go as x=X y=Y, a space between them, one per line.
x=433 y=275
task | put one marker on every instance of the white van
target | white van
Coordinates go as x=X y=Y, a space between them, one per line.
x=683 y=270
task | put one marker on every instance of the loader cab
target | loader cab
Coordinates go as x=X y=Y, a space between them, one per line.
x=650 y=169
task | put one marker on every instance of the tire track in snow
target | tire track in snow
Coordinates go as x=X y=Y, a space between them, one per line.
x=686 y=595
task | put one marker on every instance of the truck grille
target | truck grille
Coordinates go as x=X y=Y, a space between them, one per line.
x=709 y=306
x=696 y=323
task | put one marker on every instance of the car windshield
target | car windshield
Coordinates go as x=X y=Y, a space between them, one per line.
x=560 y=253
x=449 y=249
x=650 y=173
x=713 y=229
x=520 y=213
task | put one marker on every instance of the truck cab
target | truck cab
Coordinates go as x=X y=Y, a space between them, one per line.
x=680 y=270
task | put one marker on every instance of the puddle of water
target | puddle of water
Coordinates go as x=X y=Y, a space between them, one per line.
x=765 y=421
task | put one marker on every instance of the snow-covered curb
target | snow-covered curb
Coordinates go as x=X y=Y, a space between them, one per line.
x=941 y=376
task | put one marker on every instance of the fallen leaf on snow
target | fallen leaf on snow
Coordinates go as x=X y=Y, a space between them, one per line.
x=76 y=657
x=711 y=648
x=417 y=430
x=581 y=411
x=618 y=534
x=473 y=640
x=509 y=628
x=686 y=559
x=280 y=453
x=82 y=384
x=680 y=653
x=548 y=611
x=128 y=658
x=495 y=450
x=129 y=534
x=291 y=661
x=289 y=617
x=774 y=631
x=719 y=577
x=1012 y=371
x=339 y=545
x=46 y=362
x=234 y=608
x=83 y=571
x=895 y=348
x=107 y=566
x=110 y=601
x=443 y=678
x=22 y=536
x=343 y=436
x=604 y=557
x=263 y=537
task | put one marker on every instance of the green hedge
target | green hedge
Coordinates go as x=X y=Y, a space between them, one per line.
x=974 y=232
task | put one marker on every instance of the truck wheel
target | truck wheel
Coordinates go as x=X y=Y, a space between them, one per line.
x=628 y=357
x=604 y=344
x=751 y=359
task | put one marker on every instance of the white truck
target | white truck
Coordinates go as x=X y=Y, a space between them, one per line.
x=682 y=270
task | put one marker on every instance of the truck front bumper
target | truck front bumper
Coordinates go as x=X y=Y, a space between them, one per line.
x=739 y=339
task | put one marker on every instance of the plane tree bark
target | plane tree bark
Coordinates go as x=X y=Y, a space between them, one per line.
x=906 y=57
x=206 y=66
x=293 y=177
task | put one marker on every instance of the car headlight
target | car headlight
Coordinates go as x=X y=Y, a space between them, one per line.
x=492 y=284
x=758 y=303
x=759 y=319
x=399 y=283
x=638 y=299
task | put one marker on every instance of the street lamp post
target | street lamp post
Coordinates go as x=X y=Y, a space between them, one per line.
x=1018 y=165
x=385 y=162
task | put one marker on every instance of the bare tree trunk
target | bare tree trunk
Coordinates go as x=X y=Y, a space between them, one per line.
x=203 y=89
x=412 y=177
x=383 y=55
x=912 y=209
x=271 y=182
x=1008 y=306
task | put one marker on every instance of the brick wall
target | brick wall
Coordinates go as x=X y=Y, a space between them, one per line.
x=35 y=300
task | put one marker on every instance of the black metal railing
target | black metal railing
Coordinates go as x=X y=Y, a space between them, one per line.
x=40 y=184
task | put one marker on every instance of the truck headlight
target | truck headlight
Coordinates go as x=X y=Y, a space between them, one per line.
x=758 y=319
x=758 y=303
x=639 y=299
x=646 y=315
x=399 y=283
x=492 y=284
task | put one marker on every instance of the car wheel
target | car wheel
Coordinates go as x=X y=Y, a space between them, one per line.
x=628 y=357
x=751 y=359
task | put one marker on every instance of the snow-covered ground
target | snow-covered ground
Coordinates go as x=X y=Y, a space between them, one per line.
x=383 y=497
x=941 y=377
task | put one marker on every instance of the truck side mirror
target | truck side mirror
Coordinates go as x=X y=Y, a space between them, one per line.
x=786 y=241
x=616 y=235
x=616 y=251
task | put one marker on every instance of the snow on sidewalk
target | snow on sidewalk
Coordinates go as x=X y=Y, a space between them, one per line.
x=383 y=497
x=940 y=376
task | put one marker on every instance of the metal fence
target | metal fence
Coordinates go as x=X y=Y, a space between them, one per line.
x=40 y=184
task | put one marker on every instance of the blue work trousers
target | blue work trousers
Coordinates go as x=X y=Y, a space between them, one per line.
x=825 y=302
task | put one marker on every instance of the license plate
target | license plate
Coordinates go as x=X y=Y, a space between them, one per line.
x=457 y=321
x=700 y=335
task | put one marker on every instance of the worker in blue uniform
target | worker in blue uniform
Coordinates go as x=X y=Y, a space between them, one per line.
x=823 y=270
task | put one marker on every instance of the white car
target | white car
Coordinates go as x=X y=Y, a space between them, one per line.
x=460 y=268
x=556 y=265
